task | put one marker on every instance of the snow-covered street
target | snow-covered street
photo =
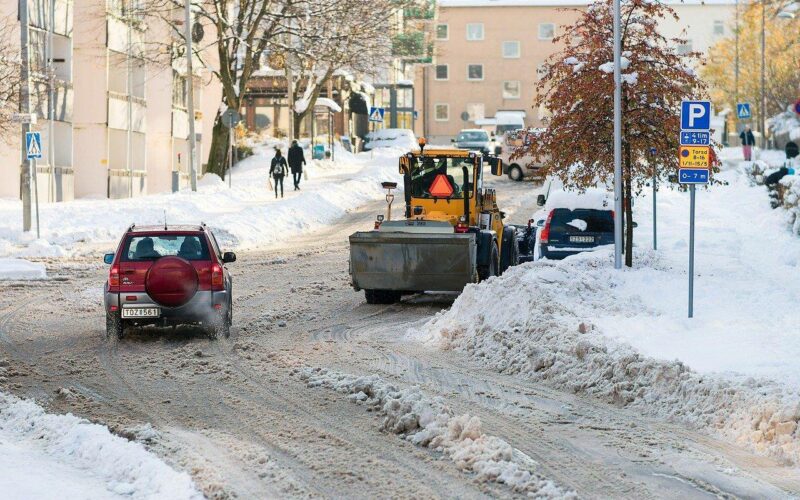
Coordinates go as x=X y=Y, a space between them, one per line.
x=501 y=395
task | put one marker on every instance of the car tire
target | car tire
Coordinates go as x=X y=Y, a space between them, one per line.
x=515 y=172
x=486 y=272
x=114 y=326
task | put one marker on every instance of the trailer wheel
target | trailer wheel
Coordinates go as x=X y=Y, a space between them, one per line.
x=382 y=296
x=486 y=272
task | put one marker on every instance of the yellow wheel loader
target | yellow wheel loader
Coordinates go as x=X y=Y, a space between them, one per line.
x=452 y=233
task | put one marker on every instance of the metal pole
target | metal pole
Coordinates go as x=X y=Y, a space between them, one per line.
x=190 y=95
x=129 y=155
x=691 y=251
x=25 y=108
x=230 y=156
x=763 y=114
x=736 y=70
x=51 y=73
x=36 y=195
x=655 y=232
x=617 y=140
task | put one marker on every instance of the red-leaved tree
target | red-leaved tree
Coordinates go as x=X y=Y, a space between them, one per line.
x=577 y=90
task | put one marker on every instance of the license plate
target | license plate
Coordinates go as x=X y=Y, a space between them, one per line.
x=141 y=312
x=581 y=239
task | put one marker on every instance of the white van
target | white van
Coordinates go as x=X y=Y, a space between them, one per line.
x=524 y=166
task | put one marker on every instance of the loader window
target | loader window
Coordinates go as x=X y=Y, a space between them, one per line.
x=424 y=172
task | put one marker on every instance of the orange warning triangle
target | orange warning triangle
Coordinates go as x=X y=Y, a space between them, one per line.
x=440 y=187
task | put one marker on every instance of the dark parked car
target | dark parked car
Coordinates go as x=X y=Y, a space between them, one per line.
x=169 y=275
x=570 y=231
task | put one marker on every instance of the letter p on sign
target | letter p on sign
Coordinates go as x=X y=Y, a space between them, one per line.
x=695 y=115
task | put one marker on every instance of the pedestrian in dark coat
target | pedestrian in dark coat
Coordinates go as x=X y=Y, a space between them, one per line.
x=277 y=170
x=296 y=162
x=748 y=141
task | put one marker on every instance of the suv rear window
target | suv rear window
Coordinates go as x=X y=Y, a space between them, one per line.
x=152 y=247
x=582 y=220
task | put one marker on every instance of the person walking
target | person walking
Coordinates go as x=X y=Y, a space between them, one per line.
x=278 y=170
x=748 y=141
x=296 y=162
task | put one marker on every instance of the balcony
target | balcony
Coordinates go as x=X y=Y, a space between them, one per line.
x=118 y=112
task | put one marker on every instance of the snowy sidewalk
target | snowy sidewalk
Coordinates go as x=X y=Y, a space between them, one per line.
x=246 y=216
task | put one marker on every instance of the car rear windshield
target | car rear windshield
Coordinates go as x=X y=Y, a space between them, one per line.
x=581 y=220
x=472 y=136
x=152 y=247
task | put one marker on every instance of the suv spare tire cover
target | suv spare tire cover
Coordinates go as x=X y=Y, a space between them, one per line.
x=171 y=281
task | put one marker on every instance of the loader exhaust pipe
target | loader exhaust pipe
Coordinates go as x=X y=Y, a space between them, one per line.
x=466 y=195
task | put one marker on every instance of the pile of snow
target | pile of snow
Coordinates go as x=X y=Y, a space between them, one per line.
x=429 y=422
x=400 y=138
x=20 y=269
x=623 y=336
x=62 y=456
x=246 y=216
x=787 y=122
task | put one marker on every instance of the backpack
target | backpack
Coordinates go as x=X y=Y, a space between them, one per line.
x=279 y=169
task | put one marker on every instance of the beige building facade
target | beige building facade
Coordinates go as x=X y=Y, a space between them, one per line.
x=488 y=56
x=121 y=126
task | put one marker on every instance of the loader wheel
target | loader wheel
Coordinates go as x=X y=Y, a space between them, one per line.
x=510 y=254
x=382 y=296
x=485 y=272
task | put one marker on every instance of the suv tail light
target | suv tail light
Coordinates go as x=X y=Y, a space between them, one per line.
x=216 y=277
x=544 y=237
x=113 y=277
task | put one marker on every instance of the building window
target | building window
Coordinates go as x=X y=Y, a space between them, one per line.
x=541 y=71
x=441 y=112
x=511 y=50
x=179 y=90
x=476 y=111
x=475 y=31
x=441 y=72
x=547 y=31
x=511 y=89
x=442 y=33
x=719 y=28
x=684 y=48
x=474 y=71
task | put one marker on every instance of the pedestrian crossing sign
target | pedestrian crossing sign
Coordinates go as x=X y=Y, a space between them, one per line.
x=743 y=110
x=376 y=114
x=33 y=145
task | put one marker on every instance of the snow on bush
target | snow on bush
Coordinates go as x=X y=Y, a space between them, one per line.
x=537 y=321
x=88 y=453
x=429 y=422
x=791 y=200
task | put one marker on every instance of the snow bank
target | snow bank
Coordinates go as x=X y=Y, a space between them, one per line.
x=19 y=269
x=62 y=456
x=246 y=216
x=429 y=422
x=623 y=336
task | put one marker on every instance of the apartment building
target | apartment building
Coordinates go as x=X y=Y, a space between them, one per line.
x=121 y=124
x=488 y=55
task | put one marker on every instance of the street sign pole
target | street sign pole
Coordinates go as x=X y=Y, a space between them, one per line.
x=691 y=251
x=36 y=195
x=24 y=105
x=653 y=152
x=230 y=157
x=694 y=164
x=617 y=139
x=187 y=11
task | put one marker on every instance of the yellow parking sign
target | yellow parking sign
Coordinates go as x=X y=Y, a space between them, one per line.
x=694 y=156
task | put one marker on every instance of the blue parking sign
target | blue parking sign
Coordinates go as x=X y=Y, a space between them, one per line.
x=693 y=176
x=695 y=115
x=692 y=138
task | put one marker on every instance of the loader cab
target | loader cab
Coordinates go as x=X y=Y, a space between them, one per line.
x=447 y=185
